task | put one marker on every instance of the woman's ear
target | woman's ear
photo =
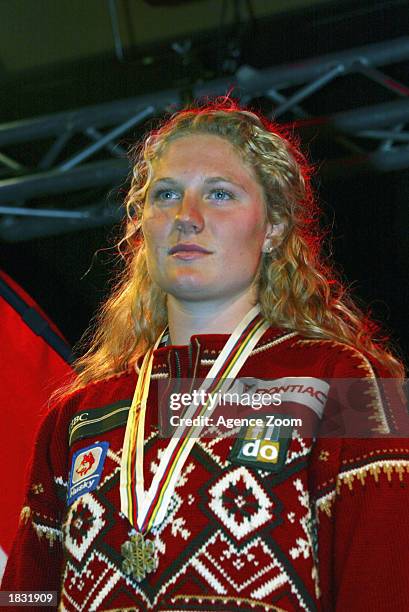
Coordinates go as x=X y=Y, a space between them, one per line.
x=274 y=236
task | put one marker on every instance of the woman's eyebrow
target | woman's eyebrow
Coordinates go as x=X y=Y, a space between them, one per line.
x=223 y=179
x=166 y=180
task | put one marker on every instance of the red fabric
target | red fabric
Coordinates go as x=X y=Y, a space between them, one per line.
x=353 y=488
x=30 y=371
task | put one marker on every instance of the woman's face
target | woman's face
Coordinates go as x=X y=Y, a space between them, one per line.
x=204 y=221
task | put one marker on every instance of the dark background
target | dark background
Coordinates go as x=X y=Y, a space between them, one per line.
x=68 y=274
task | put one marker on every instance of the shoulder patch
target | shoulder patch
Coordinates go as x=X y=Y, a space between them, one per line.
x=93 y=422
x=86 y=469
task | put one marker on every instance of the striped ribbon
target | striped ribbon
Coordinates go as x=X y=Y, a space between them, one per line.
x=147 y=509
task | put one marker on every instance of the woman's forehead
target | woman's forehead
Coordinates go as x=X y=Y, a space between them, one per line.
x=210 y=152
x=188 y=141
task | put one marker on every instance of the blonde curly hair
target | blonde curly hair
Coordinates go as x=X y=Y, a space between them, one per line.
x=297 y=289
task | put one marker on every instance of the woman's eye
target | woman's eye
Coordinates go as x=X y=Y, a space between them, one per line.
x=165 y=195
x=221 y=194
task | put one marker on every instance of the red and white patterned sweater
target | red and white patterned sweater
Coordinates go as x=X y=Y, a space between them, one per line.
x=329 y=530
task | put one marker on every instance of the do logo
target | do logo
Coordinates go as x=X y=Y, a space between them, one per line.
x=263 y=448
x=265 y=451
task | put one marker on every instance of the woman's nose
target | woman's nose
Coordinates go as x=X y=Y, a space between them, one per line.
x=189 y=217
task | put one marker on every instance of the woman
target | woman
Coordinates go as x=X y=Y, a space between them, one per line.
x=223 y=254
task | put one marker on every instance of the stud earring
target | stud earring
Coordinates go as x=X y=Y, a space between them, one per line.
x=267 y=246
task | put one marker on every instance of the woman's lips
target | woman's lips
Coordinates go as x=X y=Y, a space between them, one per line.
x=190 y=255
x=188 y=251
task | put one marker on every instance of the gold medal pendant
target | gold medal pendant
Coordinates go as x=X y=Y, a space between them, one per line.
x=139 y=557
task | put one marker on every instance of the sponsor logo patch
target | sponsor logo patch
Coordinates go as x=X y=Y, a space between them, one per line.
x=307 y=391
x=90 y=423
x=263 y=447
x=86 y=470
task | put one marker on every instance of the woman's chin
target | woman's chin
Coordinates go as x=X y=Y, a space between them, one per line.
x=192 y=285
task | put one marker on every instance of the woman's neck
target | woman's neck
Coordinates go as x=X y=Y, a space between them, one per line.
x=189 y=318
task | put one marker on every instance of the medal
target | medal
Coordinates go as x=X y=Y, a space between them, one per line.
x=139 y=557
x=145 y=510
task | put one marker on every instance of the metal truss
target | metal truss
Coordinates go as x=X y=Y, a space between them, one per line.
x=375 y=135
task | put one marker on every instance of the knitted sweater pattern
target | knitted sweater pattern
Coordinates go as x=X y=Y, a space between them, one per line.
x=316 y=534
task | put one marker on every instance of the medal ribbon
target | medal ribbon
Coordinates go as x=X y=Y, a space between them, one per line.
x=145 y=510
